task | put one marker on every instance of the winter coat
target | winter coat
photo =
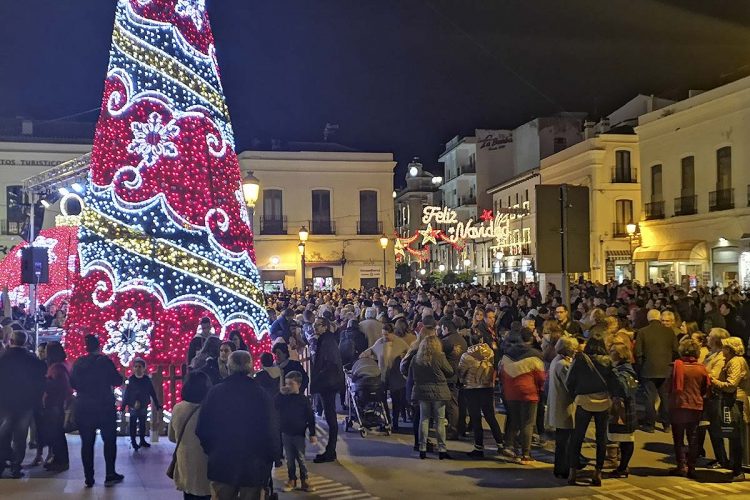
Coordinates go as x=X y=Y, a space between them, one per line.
x=57 y=389
x=454 y=346
x=191 y=472
x=476 y=373
x=405 y=368
x=269 y=378
x=139 y=393
x=211 y=369
x=93 y=376
x=560 y=407
x=373 y=330
x=714 y=319
x=295 y=414
x=290 y=366
x=582 y=379
x=239 y=432
x=281 y=329
x=23 y=377
x=655 y=349
x=625 y=388
x=327 y=372
x=522 y=372
x=695 y=385
x=353 y=343
x=430 y=381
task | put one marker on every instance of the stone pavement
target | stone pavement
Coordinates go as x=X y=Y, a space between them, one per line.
x=387 y=468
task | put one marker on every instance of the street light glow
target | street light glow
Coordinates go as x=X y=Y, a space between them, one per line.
x=250 y=189
x=303 y=234
x=384 y=242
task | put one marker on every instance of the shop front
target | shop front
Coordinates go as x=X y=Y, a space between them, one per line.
x=685 y=263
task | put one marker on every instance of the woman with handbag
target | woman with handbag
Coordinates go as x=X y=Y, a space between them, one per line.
x=734 y=384
x=189 y=467
x=622 y=419
x=589 y=381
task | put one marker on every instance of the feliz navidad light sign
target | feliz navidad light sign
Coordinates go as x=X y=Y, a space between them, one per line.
x=457 y=233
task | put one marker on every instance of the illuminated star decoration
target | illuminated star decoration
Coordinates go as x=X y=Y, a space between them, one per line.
x=428 y=235
x=128 y=337
x=153 y=139
x=194 y=9
x=486 y=215
x=398 y=249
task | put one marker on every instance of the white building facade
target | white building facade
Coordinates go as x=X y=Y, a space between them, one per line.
x=343 y=199
x=696 y=220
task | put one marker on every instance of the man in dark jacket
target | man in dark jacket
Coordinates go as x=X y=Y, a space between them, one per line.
x=93 y=376
x=282 y=328
x=281 y=353
x=454 y=346
x=327 y=379
x=568 y=326
x=239 y=461
x=22 y=375
x=732 y=322
x=655 y=349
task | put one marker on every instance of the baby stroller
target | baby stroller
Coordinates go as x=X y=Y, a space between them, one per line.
x=366 y=394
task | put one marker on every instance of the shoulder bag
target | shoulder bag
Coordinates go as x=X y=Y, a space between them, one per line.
x=173 y=463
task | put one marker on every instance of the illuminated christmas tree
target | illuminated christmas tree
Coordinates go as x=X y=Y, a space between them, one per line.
x=165 y=237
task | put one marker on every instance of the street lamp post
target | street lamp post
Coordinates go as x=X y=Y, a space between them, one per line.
x=384 y=246
x=631 y=228
x=303 y=235
x=250 y=191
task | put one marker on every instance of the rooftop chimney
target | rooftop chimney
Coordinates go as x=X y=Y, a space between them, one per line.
x=589 y=129
x=27 y=127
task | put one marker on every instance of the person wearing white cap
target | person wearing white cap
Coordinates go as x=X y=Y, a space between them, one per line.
x=734 y=380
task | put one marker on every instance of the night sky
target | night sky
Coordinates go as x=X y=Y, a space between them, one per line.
x=396 y=75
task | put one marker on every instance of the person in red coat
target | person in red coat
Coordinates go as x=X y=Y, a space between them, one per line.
x=57 y=394
x=522 y=373
x=690 y=384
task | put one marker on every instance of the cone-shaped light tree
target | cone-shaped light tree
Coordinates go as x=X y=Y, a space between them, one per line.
x=165 y=238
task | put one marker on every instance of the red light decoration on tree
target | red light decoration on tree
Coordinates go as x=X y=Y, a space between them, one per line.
x=165 y=237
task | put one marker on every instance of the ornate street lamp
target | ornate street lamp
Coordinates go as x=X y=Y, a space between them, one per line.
x=250 y=191
x=631 y=229
x=303 y=235
x=384 y=246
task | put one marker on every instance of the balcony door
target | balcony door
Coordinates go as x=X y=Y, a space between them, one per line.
x=656 y=184
x=321 y=211
x=368 y=212
x=622 y=166
x=273 y=218
x=688 y=176
x=724 y=169
x=623 y=216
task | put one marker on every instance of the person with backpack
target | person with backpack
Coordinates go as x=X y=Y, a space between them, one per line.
x=623 y=421
x=353 y=343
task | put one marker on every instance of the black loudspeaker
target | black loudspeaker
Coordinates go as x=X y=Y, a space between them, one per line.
x=34 y=265
x=549 y=228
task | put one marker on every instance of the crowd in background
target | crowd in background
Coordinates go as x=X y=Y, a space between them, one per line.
x=630 y=358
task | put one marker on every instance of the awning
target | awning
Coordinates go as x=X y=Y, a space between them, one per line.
x=618 y=254
x=693 y=250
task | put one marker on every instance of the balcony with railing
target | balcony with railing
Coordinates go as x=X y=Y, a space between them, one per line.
x=325 y=226
x=624 y=175
x=721 y=199
x=686 y=205
x=369 y=227
x=461 y=170
x=273 y=225
x=654 y=210
x=466 y=201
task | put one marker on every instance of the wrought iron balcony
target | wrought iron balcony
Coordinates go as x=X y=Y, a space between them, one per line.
x=624 y=175
x=369 y=227
x=273 y=225
x=721 y=199
x=654 y=210
x=686 y=205
x=322 y=227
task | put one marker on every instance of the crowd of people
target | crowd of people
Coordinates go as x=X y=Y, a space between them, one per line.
x=447 y=357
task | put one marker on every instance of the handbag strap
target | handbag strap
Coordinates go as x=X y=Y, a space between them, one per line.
x=593 y=368
x=184 y=426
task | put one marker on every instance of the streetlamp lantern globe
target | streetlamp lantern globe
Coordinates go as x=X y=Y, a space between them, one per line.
x=301 y=248
x=303 y=234
x=384 y=242
x=250 y=189
x=631 y=228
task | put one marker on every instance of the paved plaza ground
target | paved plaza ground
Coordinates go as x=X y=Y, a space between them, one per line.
x=386 y=467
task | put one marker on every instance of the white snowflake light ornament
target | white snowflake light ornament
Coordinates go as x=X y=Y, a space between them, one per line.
x=194 y=9
x=153 y=139
x=128 y=336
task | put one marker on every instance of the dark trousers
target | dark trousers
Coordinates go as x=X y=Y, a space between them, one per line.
x=138 y=419
x=462 y=412
x=736 y=447
x=656 y=387
x=540 y=413
x=582 y=420
x=329 y=410
x=294 y=447
x=54 y=420
x=14 y=426
x=481 y=402
x=522 y=415
x=627 y=448
x=451 y=411
x=89 y=420
x=398 y=402
x=562 y=443
x=188 y=496
x=685 y=455
x=714 y=430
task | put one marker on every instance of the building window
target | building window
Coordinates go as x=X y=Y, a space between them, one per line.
x=527 y=195
x=559 y=144
x=622 y=166
x=688 y=176
x=368 y=212
x=15 y=214
x=656 y=190
x=724 y=168
x=321 y=212
x=623 y=216
x=273 y=213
